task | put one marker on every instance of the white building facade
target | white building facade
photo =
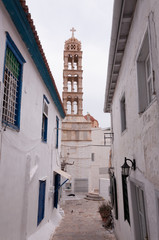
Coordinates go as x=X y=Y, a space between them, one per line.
x=88 y=163
x=99 y=164
x=31 y=112
x=132 y=98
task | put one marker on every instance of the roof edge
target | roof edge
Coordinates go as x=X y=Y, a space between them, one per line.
x=19 y=13
x=123 y=13
x=113 y=42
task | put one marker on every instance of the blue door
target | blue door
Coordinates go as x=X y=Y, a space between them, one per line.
x=57 y=184
x=41 y=203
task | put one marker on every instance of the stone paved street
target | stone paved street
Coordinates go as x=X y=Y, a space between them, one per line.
x=81 y=222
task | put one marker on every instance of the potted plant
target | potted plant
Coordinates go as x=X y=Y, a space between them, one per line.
x=105 y=211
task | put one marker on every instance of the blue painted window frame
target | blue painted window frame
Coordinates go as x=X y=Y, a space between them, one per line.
x=57 y=132
x=41 y=201
x=11 y=45
x=44 y=121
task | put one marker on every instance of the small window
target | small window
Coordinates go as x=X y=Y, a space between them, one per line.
x=146 y=88
x=92 y=157
x=44 y=120
x=57 y=132
x=123 y=113
x=12 y=85
x=41 y=202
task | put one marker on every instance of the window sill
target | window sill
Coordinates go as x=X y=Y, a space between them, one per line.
x=148 y=106
x=10 y=126
x=124 y=131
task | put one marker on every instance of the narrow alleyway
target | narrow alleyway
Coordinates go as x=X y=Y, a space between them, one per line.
x=81 y=221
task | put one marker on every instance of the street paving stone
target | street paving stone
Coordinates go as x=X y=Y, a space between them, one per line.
x=82 y=221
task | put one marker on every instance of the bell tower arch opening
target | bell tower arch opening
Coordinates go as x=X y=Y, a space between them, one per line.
x=73 y=76
x=68 y=107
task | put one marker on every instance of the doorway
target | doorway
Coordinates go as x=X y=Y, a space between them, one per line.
x=56 y=193
x=139 y=212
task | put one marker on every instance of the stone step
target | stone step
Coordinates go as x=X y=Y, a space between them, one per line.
x=94 y=197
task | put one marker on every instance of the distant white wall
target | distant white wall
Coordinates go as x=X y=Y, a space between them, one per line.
x=99 y=165
x=104 y=184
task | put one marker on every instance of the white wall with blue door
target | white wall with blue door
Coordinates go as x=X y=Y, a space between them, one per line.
x=29 y=108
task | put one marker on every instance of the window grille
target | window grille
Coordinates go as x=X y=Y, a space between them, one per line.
x=13 y=67
x=11 y=88
x=108 y=138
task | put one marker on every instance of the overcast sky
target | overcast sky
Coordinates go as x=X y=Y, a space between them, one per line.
x=92 y=20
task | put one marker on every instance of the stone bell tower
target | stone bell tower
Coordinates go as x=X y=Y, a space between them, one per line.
x=76 y=130
x=72 y=77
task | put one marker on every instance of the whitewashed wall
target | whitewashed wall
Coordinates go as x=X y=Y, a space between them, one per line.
x=84 y=167
x=79 y=154
x=104 y=184
x=24 y=158
x=98 y=167
x=140 y=140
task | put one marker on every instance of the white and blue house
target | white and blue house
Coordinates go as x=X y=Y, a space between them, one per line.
x=31 y=112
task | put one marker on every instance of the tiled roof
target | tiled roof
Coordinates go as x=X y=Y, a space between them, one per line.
x=92 y=119
x=19 y=13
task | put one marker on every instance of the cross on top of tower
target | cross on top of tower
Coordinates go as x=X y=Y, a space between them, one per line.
x=73 y=30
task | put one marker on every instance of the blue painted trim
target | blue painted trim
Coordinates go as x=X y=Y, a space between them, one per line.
x=57 y=131
x=14 y=49
x=19 y=18
x=41 y=201
x=44 y=133
x=46 y=99
x=11 y=45
x=63 y=183
x=57 y=184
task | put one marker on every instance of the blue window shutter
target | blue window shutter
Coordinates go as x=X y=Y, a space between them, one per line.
x=41 y=203
x=57 y=132
x=125 y=200
x=45 y=129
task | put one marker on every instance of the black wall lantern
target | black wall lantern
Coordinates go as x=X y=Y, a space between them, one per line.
x=125 y=168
